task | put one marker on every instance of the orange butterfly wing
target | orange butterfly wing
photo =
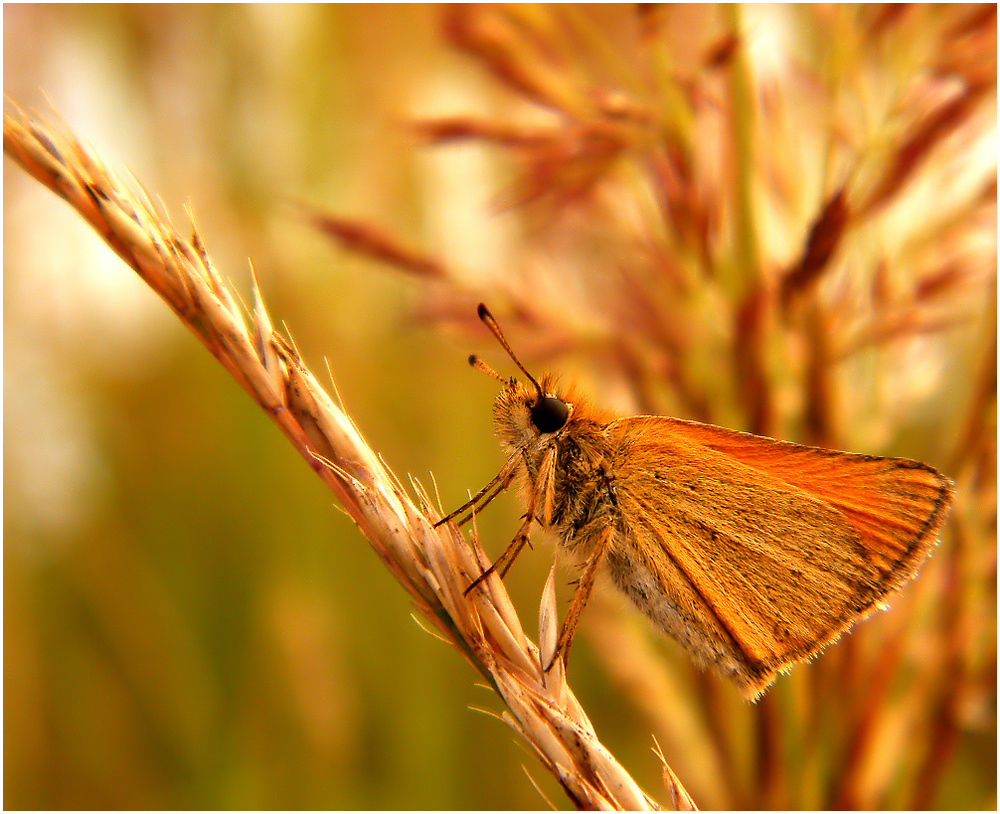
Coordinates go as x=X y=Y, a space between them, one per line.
x=755 y=553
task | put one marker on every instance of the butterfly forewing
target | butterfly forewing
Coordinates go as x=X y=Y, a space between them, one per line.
x=895 y=504
x=770 y=552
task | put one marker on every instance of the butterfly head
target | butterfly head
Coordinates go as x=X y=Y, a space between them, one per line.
x=526 y=414
x=523 y=413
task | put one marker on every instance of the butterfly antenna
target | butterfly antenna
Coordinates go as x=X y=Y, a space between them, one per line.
x=479 y=364
x=490 y=322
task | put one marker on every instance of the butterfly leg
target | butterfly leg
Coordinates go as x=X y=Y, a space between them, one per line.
x=481 y=498
x=506 y=560
x=541 y=495
x=583 y=588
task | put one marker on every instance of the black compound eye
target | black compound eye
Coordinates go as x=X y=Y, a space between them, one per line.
x=549 y=414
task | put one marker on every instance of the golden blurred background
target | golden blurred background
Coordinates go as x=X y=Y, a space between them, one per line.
x=190 y=622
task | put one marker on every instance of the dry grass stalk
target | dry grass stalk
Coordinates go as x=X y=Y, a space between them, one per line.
x=435 y=566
